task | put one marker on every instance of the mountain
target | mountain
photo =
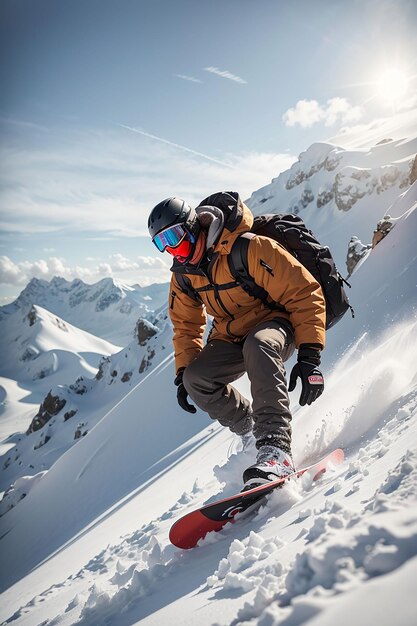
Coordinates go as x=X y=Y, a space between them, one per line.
x=39 y=351
x=107 y=309
x=88 y=544
x=41 y=345
x=330 y=185
x=69 y=411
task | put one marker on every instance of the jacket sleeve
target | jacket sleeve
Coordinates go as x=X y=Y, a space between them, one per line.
x=289 y=283
x=189 y=321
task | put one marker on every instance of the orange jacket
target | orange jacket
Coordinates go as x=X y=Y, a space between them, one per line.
x=234 y=311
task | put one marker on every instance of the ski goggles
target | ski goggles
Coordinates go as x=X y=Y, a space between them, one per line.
x=170 y=237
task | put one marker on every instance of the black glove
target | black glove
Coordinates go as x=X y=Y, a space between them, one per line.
x=307 y=369
x=182 y=394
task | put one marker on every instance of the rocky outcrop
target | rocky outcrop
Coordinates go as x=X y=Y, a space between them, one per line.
x=144 y=331
x=146 y=361
x=50 y=407
x=356 y=251
x=353 y=183
x=383 y=227
x=413 y=171
x=80 y=386
x=104 y=361
x=32 y=317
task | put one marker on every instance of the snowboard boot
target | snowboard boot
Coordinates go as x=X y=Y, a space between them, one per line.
x=271 y=464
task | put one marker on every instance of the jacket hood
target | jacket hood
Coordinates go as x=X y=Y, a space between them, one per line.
x=237 y=219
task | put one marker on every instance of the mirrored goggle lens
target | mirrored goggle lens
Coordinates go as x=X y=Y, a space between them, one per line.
x=169 y=238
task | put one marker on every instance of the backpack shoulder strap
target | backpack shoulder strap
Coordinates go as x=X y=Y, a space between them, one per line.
x=239 y=268
x=186 y=287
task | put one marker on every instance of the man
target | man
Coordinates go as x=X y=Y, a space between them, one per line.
x=246 y=334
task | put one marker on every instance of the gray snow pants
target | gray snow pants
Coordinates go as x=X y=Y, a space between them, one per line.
x=261 y=355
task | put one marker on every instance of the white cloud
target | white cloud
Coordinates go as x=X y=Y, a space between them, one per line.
x=226 y=74
x=189 y=78
x=21 y=273
x=119 y=263
x=339 y=109
x=10 y=273
x=306 y=113
x=148 y=262
x=107 y=182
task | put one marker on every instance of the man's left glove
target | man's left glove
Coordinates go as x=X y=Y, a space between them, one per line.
x=182 y=394
x=307 y=368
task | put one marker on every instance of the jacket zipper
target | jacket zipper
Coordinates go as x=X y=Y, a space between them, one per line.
x=173 y=296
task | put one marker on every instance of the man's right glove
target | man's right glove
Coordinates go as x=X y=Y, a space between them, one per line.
x=306 y=368
x=182 y=394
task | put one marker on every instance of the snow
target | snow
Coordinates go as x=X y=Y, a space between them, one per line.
x=108 y=309
x=42 y=352
x=330 y=184
x=88 y=544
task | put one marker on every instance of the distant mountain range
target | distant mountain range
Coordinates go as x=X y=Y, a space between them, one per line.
x=107 y=309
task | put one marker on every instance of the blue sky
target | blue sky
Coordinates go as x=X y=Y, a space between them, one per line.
x=108 y=106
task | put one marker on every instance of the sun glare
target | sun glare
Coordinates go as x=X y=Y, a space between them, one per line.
x=392 y=85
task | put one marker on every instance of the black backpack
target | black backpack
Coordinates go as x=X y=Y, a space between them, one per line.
x=291 y=232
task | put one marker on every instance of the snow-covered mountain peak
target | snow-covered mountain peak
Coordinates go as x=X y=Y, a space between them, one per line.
x=41 y=344
x=342 y=192
x=108 y=308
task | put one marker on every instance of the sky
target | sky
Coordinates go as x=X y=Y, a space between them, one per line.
x=109 y=106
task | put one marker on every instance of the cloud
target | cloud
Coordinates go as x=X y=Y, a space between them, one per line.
x=104 y=183
x=12 y=273
x=339 y=109
x=306 y=113
x=8 y=121
x=19 y=273
x=176 y=145
x=119 y=263
x=191 y=79
x=226 y=74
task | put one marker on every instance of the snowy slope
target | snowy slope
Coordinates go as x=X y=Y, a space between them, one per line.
x=107 y=523
x=41 y=344
x=108 y=309
x=89 y=544
x=69 y=412
x=39 y=351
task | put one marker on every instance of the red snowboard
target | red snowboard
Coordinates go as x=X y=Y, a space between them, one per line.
x=188 y=530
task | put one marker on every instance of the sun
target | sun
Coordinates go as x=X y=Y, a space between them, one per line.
x=392 y=85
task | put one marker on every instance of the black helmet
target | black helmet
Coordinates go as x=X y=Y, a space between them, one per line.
x=173 y=211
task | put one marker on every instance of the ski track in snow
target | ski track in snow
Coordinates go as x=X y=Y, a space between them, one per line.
x=342 y=547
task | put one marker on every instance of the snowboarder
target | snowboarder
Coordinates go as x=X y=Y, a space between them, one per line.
x=246 y=335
